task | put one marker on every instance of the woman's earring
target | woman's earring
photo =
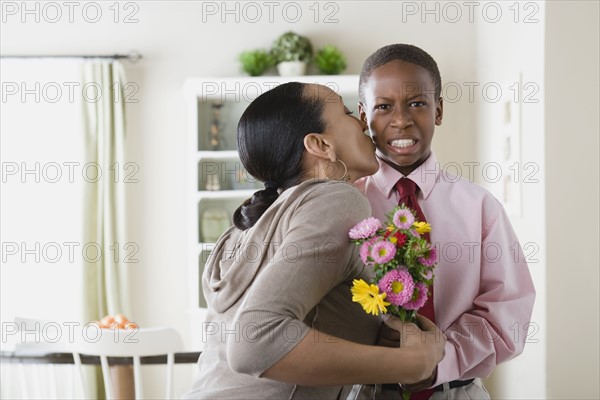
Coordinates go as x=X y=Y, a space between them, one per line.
x=345 y=177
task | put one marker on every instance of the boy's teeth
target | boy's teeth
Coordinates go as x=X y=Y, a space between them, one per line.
x=402 y=142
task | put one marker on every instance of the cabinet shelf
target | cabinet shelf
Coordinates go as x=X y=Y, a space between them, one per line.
x=224 y=194
x=217 y=155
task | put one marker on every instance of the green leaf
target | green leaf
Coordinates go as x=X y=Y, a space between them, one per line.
x=291 y=47
x=255 y=62
x=330 y=60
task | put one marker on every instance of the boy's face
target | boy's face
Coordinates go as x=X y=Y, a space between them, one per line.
x=401 y=111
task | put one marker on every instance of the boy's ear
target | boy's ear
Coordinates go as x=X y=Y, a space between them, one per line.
x=362 y=114
x=319 y=145
x=439 y=111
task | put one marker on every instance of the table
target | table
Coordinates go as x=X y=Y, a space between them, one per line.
x=121 y=371
x=15 y=357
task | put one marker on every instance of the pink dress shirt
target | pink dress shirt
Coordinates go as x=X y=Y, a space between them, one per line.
x=483 y=292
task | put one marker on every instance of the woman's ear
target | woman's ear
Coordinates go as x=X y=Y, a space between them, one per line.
x=319 y=145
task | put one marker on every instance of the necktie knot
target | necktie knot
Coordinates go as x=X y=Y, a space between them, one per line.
x=406 y=187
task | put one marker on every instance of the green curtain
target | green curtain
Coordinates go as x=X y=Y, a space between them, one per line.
x=106 y=277
x=105 y=285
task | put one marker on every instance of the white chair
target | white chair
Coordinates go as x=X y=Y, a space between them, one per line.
x=128 y=343
x=103 y=343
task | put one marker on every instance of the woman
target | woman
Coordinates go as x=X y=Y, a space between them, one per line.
x=281 y=322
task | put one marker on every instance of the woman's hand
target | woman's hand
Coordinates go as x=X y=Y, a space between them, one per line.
x=422 y=385
x=429 y=341
x=388 y=337
x=332 y=361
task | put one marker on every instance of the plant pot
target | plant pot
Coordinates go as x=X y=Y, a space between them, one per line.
x=291 y=68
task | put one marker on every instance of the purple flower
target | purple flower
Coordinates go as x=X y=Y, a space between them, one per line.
x=430 y=258
x=419 y=297
x=403 y=218
x=398 y=285
x=383 y=252
x=365 y=228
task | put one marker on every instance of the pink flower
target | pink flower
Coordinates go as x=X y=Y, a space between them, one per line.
x=430 y=257
x=419 y=297
x=428 y=274
x=365 y=228
x=383 y=251
x=399 y=286
x=365 y=250
x=403 y=218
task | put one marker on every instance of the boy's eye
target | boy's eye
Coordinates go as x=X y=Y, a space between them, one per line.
x=417 y=103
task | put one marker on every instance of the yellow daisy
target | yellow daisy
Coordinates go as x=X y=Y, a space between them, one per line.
x=368 y=297
x=422 y=227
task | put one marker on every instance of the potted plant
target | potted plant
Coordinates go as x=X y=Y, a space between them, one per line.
x=291 y=52
x=255 y=62
x=330 y=60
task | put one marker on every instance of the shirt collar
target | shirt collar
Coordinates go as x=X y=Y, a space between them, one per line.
x=426 y=175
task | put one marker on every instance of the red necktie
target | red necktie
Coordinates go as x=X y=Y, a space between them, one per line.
x=407 y=190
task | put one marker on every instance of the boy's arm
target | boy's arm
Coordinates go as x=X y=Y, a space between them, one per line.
x=495 y=329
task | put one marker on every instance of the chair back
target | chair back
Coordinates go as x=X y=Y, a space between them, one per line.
x=91 y=340
x=133 y=343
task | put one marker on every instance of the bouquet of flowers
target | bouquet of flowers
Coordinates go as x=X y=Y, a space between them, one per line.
x=402 y=263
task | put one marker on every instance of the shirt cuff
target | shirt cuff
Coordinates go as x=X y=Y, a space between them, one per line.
x=446 y=370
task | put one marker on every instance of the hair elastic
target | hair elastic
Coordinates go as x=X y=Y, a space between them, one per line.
x=271 y=185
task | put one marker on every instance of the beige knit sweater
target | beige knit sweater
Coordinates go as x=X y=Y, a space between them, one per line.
x=266 y=286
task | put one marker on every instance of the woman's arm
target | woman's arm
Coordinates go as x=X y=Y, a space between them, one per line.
x=320 y=359
x=271 y=339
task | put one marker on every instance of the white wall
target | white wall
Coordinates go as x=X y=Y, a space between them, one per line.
x=571 y=109
x=559 y=53
x=506 y=52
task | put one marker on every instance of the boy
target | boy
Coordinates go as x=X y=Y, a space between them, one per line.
x=483 y=289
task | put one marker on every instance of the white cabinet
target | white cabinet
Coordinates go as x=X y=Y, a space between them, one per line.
x=216 y=180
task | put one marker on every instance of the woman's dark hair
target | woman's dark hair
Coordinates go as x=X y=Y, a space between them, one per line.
x=270 y=138
x=399 y=52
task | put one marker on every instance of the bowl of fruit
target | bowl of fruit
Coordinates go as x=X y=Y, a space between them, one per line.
x=117 y=321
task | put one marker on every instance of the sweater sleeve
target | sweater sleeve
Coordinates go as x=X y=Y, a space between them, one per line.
x=315 y=256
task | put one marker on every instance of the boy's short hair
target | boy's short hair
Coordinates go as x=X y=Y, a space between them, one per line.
x=400 y=52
